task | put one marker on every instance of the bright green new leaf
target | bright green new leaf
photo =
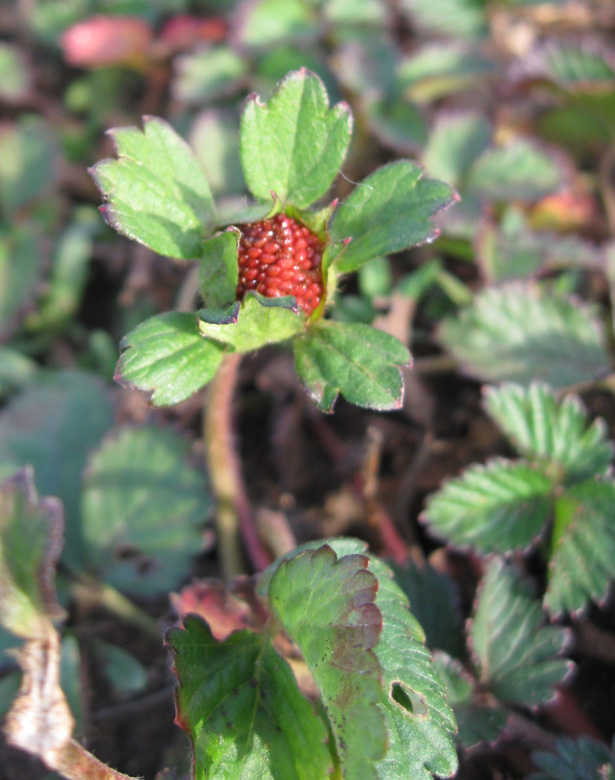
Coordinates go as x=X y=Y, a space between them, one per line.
x=518 y=171
x=356 y=360
x=454 y=144
x=294 y=145
x=554 y=434
x=497 y=507
x=30 y=544
x=254 y=322
x=517 y=657
x=583 y=558
x=387 y=212
x=156 y=191
x=143 y=510
x=167 y=356
x=326 y=605
x=239 y=702
x=218 y=269
x=575 y=759
x=521 y=332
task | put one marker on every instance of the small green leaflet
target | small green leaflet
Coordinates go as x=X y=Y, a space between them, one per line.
x=356 y=360
x=218 y=270
x=294 y=145
x=156 y=191
x=166 y=355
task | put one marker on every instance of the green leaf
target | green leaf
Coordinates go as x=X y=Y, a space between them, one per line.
x=264 y=24
x=583 y=560
x=397 y=124
x=358 y=361
x=554 y=433
x=326 y=605
x=218 y=269
x=254 y=322
x=518 y=171
x=574 y=759
x=454 y=18
x=156 y=191
x=143 y=509
x=454 y=144
x=357 y=12
x=14 y=73
x=125 y=673
x=207 y=75
x=295 y=144
x=497 y=507
x=239 y=702
x=389 y=211
x=16 y=370
x=515 y=654
x=30 y=544
x=437 y=70
x=571 y=66
x=20 y=268
x=53 y=426
x=521 y=333
x=214 y=136
x=27 y=157
x=167 y=356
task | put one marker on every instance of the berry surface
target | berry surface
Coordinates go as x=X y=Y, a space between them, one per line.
x=280 y=256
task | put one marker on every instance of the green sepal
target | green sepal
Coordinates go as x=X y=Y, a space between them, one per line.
x=218 y=269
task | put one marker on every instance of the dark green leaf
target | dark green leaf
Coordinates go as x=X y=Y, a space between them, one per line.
x=389 y=211
x=20 y=267
x=16 y=370
x=156 y=191
x=575 y=759
x=239 y=702
x=360 y=362
x=498 y=507
x=218 y=269
x=27 y=157
x=167 y=356
x=398 y=124
x=295 y=144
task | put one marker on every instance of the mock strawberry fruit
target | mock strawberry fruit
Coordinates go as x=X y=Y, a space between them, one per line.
x=280 y=256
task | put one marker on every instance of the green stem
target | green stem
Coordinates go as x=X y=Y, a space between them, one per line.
x=107 y=597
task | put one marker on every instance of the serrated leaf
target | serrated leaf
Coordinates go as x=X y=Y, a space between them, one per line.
x=583 y=559
x=294 y=145
x=167 y=356
x=156 y=192
x=239 y=702
x=30 y=544
x=143 y=509
x=326 y=604
x=53 y=426
x=517 y=657
x=360 y=362
x=497 y=507
x=455 y=142
x=521 y=333
x=518 y=171
x=552 y=432
x=387 y=212
x=254 y=322
x=218 y=269
x=574 y=759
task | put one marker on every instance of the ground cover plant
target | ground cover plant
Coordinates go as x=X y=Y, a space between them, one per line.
x=306 y=389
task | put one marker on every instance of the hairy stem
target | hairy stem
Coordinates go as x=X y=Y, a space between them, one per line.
x=233 y=514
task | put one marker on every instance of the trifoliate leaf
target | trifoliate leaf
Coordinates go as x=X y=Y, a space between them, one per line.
x=218 y=269
x=156 y=191
x=360 y=362
x=516 y=656
x=574 y=759
x=583 y=558
x=239 y=702
x=294 y=145
x=553 y=433
x=143 y=509
x=326 y=605
x=387 y=212
x=521 y=333
x=454 y=144
x=497 y=507
x=30 y=544
x=254 y=322
x=167 y=356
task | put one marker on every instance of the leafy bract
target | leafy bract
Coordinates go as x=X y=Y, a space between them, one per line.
x=53 y=426
x=239 y=702
x=516 y=656
x=218 y=269
x=454 y=144
x=500 y=506
x=356 y=360
x=167 y=356
x=521 y=333
x=294 y=145
x=387 y=212
x=143 y=508
x=156 y=191
x=574 y=759
x=30 y=543
x=583 y=556
x=326 y=604
x=254 y=322
x=551 y=432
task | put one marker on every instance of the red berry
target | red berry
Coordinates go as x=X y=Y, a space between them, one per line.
x=280 y=256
